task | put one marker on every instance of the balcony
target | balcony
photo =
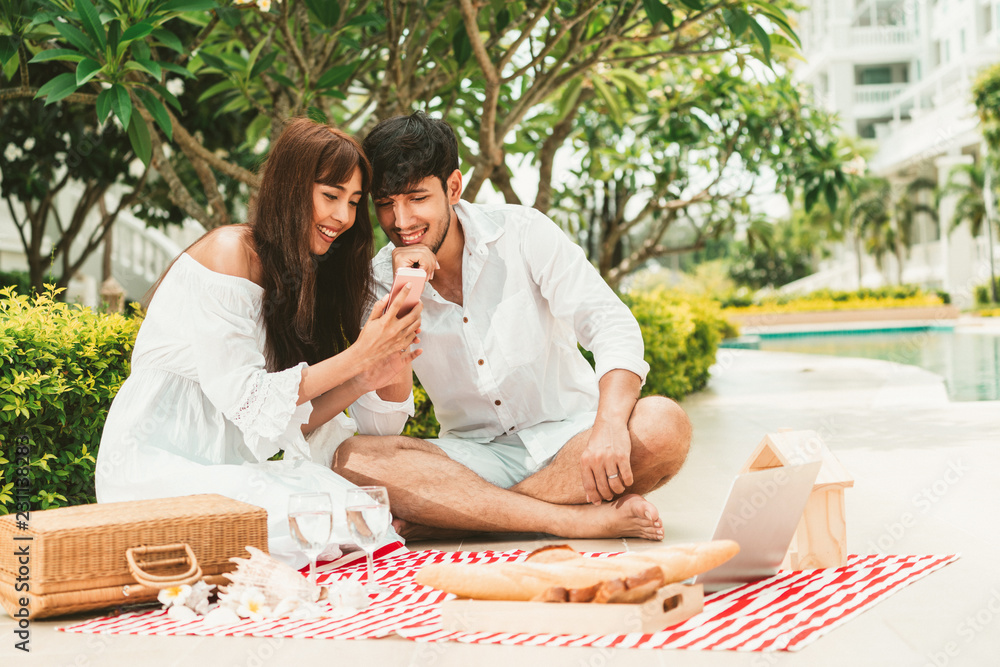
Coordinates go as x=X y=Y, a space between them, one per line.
x=877 y=94
x=881 y=36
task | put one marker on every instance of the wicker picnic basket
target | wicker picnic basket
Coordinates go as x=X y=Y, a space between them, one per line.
x=99 y=556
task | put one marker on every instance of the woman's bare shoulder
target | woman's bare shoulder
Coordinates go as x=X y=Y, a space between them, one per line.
x=228 y=250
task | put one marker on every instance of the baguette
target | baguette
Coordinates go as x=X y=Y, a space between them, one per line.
x=678 y=562
x=516 y=581
x=560 y=574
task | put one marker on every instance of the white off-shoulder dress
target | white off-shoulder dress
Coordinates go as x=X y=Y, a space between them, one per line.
x=199 y=412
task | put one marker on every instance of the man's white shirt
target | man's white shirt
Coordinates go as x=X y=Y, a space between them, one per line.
x=506 y=361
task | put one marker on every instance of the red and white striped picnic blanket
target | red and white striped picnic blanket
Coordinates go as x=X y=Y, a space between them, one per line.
x=785 y=612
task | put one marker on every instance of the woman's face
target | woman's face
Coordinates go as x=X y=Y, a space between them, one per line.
x=334 y=208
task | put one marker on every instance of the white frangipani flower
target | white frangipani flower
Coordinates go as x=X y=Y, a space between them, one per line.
x=253 y=605
x=175 y=595
x=29 y=143
x=12 y=152
x=264 y=5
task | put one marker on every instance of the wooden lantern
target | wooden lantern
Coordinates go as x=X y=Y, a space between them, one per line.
x=821 y=537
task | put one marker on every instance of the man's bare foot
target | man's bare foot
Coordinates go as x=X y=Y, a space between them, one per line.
x=415 y=532
x=628 y=516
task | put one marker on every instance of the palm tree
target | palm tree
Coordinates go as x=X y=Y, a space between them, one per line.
x=968 y=183
x=906 y=208
x=866 y=216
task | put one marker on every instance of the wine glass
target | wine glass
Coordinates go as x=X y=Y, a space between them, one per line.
x=310 y=519
x=368 y=520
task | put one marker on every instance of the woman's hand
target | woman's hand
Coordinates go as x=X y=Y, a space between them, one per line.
x=385 y=341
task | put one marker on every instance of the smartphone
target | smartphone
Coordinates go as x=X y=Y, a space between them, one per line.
x=413 y=277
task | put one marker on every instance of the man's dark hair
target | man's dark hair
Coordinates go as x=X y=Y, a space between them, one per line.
x=407 y=149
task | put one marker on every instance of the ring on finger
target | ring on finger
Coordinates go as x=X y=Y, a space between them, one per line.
x=615 y=476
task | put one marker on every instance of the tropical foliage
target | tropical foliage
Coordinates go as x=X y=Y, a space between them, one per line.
x=664 y=93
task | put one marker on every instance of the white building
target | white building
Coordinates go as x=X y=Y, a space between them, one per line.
x=900 y=72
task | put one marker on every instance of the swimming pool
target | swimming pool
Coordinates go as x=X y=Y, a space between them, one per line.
x=968 y=362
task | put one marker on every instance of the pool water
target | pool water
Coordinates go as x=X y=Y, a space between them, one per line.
x=968 y=362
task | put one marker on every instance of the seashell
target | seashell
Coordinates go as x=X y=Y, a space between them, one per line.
x=275 y=579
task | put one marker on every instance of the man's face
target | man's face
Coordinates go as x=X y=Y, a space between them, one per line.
x=420 y=214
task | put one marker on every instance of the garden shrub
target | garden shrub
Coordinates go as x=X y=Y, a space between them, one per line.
x=984 y=295
x=681 y=333
x=62 y=366
x=895 y=296
x=19 y=280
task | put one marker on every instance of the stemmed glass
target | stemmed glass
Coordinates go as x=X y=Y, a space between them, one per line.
x=368 y=520
x=310 y=519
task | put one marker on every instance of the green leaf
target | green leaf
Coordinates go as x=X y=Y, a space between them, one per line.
x=263 y=64
x=168 y=39
x=151 y=67
x=86 y=70
x=114 y=38
x=831 y=195
x=103 y=105
x=282 y=79
x=317 y=115
x=157 y=110
x=231 y=16
x=762 y=37
x=737 y=20
x=91 y=22
x=370 y=20
x=253 y=57
x=214 y=61
x=121 y=104
x=658 y=12
x=167 y=95
x=503 y=19
x=334 y=76
x=614 y=107
x=8 y=47
x=57 y=88
x=571 y=93
x=138 y=31
x=461 y=45
x=58 y=54
x=696 y=5
x=220 y=87
x=73 y=35
x=177 y=69
x=189 y=6
x=325 y=11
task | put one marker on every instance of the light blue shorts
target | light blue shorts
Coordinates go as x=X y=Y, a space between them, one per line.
x=505 y=461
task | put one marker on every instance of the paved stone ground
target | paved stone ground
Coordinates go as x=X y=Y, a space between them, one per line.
x=925 y=483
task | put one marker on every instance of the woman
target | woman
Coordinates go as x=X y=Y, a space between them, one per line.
x=246 y=346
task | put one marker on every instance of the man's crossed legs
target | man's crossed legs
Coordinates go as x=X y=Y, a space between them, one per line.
x=429 y=490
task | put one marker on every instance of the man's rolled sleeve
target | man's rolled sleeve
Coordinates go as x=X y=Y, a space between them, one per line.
x=376 y=416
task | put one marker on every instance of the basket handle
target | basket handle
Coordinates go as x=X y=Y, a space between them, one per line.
x=145 y=578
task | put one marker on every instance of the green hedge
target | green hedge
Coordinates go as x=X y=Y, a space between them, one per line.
x=62 y=366
x=896 y=296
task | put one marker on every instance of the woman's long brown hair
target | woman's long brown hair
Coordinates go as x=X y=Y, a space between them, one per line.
x=313 y=306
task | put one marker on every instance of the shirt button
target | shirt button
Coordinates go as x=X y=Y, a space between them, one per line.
x=465 y=319
x=496 y=402
x=481 y=362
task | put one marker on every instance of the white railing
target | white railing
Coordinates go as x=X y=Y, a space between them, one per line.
x=139 y=254
x=881 y=93
x=882 y=35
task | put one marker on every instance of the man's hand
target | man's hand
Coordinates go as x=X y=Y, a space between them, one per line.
x=606 y=462
x=415 y=256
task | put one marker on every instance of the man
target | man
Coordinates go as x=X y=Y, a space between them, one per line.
x=531 y=439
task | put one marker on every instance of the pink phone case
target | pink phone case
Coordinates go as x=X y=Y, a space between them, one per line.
x=416 y=278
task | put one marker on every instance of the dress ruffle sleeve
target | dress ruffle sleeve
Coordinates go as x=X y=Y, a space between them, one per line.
x=231 y=369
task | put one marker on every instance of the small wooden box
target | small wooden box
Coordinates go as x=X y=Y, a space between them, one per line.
x=672 y=604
